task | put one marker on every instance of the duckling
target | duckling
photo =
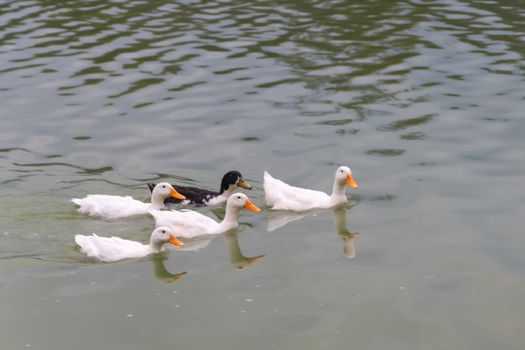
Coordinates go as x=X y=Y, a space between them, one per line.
x=194 y=195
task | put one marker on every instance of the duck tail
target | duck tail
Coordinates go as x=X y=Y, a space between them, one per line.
x=87 y=245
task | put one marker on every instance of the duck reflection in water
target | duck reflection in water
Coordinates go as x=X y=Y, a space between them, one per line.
x=236 y=257
x=348 y=237
x=278 y=219
x=160 y=271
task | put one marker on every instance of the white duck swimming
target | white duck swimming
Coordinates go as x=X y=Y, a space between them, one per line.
x=191 y=224
x=281 y=196
x=115 y=207
x=110 y=249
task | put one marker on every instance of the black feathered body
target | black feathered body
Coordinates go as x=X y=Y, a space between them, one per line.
x=195 y=195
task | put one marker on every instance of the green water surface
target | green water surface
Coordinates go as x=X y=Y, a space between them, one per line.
x=424 y=100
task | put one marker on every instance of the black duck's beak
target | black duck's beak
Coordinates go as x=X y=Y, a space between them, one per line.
x=244 y=184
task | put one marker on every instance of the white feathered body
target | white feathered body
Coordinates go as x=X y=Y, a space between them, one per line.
x=281 y=196
x=111 y=207
x=110 y=249
x=191 y=224
x=186 y=223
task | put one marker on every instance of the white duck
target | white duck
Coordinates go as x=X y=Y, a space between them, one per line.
x=281 y=196
x=111 y=249
x=115 y=207
x=191 y=224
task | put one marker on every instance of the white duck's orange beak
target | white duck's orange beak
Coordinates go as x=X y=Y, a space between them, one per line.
x=176 y=195
x=250 y=206
x=175 y=240
x=350 y=181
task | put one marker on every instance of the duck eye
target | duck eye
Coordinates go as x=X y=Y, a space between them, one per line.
x=163 y=231
x=238 y=197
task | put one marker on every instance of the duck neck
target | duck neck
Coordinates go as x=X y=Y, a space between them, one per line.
x=230 y=219
x=226 y=193
x=338 y=193
x=157 y=201
x=155 y=246
x=226 y=189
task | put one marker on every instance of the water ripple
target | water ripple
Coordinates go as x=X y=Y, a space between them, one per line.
x=386 y=67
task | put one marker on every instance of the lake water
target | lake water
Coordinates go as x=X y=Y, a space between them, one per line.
x=423 y=99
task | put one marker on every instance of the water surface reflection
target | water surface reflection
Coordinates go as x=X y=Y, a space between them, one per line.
x=160 y=271
x=235 y=255
x=348 y=237
x=278 y=219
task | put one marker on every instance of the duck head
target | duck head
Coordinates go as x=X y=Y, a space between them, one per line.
x=343 y=175
x=162 y=235
x=235 y=203
x=233 y=178
x=166 y=190
x=239 y=201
